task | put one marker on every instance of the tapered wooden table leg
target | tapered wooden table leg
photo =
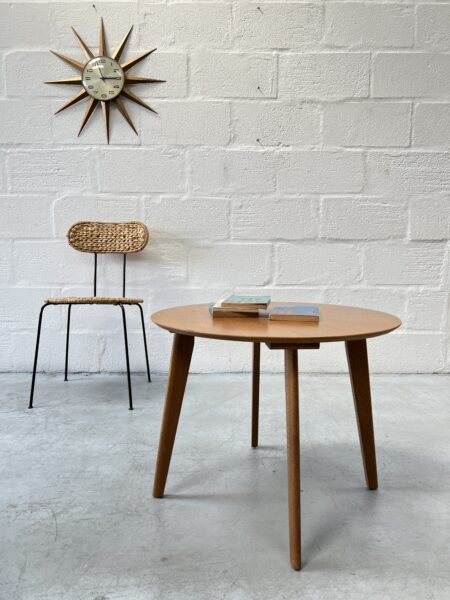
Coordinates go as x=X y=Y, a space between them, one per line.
x=293 y=452
x=359 y=376
x=255 y=393
x=179 y=369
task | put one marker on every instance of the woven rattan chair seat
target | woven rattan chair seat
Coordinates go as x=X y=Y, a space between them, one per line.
x=94 y=300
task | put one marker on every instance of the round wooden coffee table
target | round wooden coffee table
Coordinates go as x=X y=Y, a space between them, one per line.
x=337 y=324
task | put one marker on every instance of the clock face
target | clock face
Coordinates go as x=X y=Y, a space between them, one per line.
x=103 y=78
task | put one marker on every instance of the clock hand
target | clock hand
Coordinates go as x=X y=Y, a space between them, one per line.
x=101 y=74
x=115 y=78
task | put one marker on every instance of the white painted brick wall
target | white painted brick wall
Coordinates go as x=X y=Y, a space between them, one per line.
x=187 y=25
x=394 y=263
x=430 y=218
x=431 y=124
x=408 y=173
x=356 y=124
x=140 y=170
x=187 y=123
x=243 y=171
x=50 y=170
x=275 y=25
x=320 y=264
x=410 y=75
x=230 y=264
x=369 y=25
x=324 y=75
x=301 y=149
x=433 y=26
x=188 y=218
x=363 y=218
x=24 y=120
x=271 y=123
x=233 y=75
x=266 y=218
x=320 y=172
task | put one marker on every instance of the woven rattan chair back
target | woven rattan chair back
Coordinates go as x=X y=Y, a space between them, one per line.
x=100 y=237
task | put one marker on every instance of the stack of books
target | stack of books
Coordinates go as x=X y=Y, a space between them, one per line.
x=258 y=306
x=240 y=306
x=294 y=312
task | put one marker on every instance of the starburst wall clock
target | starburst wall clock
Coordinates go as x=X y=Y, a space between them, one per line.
x=104 y=80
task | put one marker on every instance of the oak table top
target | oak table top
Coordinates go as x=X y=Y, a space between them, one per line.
x=337 y=323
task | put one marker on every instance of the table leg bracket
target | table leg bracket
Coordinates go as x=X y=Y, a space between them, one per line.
x=284 y=346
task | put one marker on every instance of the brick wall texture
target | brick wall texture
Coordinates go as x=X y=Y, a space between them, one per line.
x=301 y=149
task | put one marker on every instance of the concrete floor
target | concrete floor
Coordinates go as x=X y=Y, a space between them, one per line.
x=77 y=520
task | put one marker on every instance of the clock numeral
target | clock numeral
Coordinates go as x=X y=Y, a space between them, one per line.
x=87 y=78
x=90 y=70
x=116 y=87
x=103 y=95
x=91 y=87
x=111 y=92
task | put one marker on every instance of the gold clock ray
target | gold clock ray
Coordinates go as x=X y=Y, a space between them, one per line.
x=103 y=80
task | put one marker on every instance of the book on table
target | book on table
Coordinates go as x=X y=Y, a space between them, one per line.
x=218 y=310
x=245 y=302
x=292 y=312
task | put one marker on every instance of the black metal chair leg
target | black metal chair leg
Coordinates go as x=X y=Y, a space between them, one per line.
x=145 y=342
x=126 y=355
x=67 y=343
x=33 y=379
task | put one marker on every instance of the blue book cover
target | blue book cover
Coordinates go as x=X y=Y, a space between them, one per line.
x=294 y=312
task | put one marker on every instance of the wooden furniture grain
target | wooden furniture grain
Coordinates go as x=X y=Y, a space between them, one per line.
x=337 y=324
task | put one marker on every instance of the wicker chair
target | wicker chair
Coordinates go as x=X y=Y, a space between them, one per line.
x=101 y=238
